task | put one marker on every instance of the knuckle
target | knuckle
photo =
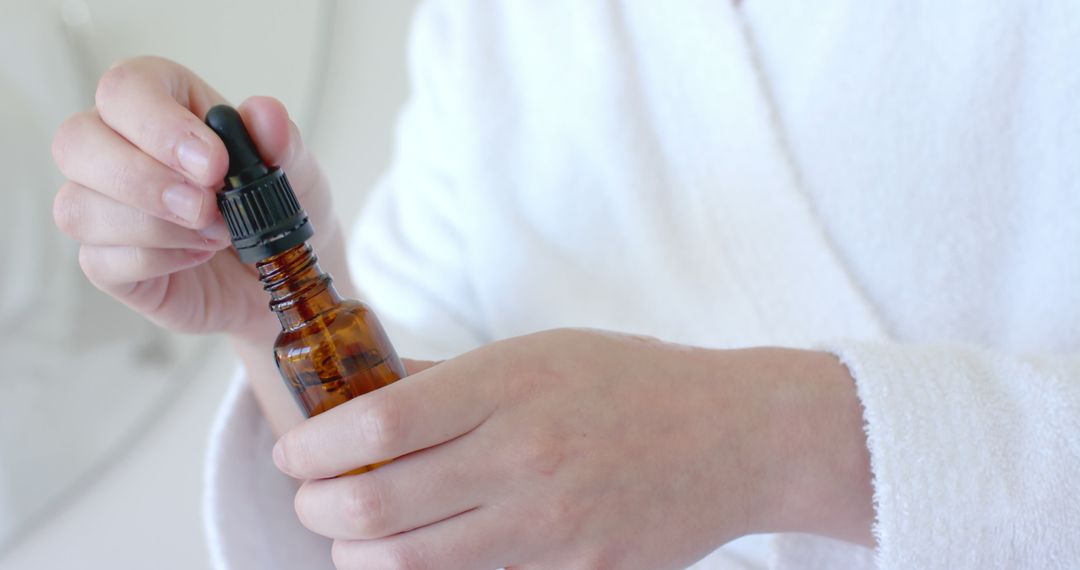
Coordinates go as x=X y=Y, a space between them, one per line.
x=401 y=556
x=529 y=376
x=557 y=511
x=67 y=211
x=111 y=83
x=115 y=80
x=123 y=177
x=61 y=142
x=308 y=507
x=301 y=506
x=398 y=555
x=297 y=457
x=139 y=257
x=67 y=137
x=382 y=426
x=540 y=455
x=88 y=264
x=555 y=519
x=341 y=555
x=602 y=559
x=366 y=507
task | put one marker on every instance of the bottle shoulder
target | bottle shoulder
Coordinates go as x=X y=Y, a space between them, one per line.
x=348 y=322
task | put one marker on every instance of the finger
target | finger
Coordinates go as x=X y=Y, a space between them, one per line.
x=114 y=268
x=413 y=491
x=274 y=133
x=90 y=153
x=280 y=144
x=95 y=219
x=475 y=540
x=416 y=412
x=158 y=106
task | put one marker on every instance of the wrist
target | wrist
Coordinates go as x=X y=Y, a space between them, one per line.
x=819 y=479
x=255 y=352
x=258 y=334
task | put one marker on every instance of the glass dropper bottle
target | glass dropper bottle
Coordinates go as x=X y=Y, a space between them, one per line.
x=330 y=349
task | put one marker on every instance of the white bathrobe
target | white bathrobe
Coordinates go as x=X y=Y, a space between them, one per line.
x=897 y=182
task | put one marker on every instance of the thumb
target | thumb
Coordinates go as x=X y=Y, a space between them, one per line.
x=271 y=129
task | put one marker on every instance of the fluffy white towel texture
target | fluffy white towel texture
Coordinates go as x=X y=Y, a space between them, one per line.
x=894 y=181
x=975 y=455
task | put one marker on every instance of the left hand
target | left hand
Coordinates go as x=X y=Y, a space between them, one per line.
x=583 y=449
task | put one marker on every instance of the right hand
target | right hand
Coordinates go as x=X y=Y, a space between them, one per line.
x=142 y=172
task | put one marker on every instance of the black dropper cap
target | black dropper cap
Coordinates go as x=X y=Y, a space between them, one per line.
x=258 y=204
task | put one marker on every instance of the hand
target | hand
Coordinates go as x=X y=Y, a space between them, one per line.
x=583 y=449
x=143 y=170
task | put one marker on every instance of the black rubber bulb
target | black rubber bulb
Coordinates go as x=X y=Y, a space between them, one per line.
x=258 y=203
x=245 y=164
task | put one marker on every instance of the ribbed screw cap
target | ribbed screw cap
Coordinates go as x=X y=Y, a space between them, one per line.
x=258 y=203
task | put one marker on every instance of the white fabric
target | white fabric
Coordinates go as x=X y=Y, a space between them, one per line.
x=893 y=181
x=247 y=510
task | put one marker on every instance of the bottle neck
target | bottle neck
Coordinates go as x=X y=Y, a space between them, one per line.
x=298 y=288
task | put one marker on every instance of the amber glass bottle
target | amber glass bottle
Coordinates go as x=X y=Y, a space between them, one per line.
x=330 y=349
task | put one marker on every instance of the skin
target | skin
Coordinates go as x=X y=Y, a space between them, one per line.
x=128 y=159
x=562 y=449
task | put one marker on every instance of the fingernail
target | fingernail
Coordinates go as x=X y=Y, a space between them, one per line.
x=216 y=232
x=194 y=156
x=184 y=201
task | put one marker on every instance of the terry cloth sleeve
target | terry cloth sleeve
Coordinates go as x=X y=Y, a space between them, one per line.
x=975 y=455
x=409 y=251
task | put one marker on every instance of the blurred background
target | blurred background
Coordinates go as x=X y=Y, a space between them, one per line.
x=104 y=417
